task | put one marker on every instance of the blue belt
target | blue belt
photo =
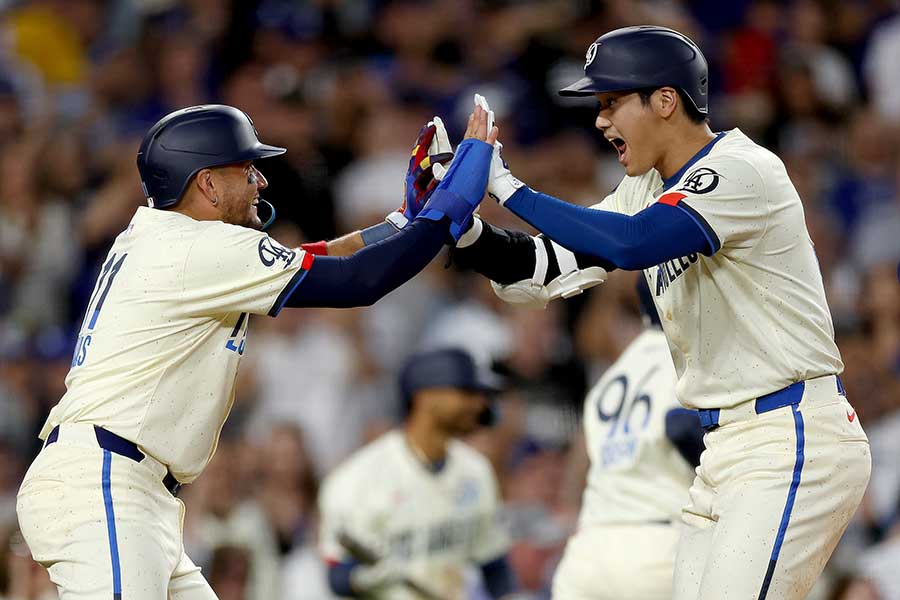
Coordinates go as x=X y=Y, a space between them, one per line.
x=792 y=394
x=119 y=445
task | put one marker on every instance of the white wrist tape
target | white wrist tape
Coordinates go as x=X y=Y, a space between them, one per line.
x=472 y=235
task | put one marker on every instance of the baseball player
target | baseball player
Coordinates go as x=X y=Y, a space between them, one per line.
x=153 y=372
x=715 y=224
x=404 y=516
x=643 y=447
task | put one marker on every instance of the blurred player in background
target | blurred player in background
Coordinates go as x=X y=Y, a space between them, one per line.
x=406 y=515
x=717 y=227
x=643 y=447
x=153 y=374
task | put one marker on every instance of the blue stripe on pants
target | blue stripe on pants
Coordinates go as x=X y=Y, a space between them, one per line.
x=111 y=527
x=789 y=505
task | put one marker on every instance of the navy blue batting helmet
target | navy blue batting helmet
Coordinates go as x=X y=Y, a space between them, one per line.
x=194 y=138
x=642 y=57
x=445 y=368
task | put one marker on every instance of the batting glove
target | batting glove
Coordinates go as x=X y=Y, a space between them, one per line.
x=430 y=153
x=501 y=183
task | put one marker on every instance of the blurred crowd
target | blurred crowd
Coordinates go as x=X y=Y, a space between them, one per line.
x=345 y=85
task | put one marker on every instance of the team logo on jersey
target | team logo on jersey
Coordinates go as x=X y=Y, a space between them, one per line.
x=700 y=181
x=590 y=55
x=271 y=252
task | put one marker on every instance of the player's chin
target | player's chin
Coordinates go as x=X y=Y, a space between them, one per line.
x=253 y=221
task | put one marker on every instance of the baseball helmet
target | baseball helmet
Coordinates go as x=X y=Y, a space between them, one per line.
x=646 y=56
x=445 y=368
x=194 y=138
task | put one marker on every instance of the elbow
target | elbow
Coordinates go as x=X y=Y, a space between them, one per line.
x=630 y=256
x=368 y=292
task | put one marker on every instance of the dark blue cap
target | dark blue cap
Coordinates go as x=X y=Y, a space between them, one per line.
x=644 y=57
x=443 y=368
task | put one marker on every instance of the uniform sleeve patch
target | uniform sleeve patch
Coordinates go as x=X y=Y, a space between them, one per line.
x=672 y=198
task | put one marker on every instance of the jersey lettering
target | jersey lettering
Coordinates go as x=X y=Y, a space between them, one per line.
x=239 y=348
x=107 y=275
x=621 y=443
x=669 y=271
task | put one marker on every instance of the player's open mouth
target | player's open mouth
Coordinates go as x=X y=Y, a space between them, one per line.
x=620 y=147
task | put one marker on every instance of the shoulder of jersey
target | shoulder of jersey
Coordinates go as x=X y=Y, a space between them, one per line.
x=367 y=462
x=736 y=146
x=469 y=456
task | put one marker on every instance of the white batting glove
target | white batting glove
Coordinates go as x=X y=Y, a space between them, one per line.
x=501 y=183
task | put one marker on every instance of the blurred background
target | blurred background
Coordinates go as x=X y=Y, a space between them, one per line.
x=345 y=85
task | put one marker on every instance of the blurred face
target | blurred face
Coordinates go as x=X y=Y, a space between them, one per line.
x=238 y=188
x=628 y=124
x=453 y=410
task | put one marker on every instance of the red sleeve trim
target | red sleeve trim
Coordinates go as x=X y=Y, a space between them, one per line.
x=320 y=248
x=672 y=198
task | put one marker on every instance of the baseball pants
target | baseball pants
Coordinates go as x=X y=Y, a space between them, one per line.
x=618 y=562
x=105 y=526
x=773 y=494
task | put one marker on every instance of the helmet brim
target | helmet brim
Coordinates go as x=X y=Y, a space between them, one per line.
x=588 y=86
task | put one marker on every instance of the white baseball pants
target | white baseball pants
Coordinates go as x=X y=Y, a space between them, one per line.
x=772 y=497
x=618 y=562
x=104 y=525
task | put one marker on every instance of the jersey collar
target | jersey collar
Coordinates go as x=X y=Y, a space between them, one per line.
x=670 y=181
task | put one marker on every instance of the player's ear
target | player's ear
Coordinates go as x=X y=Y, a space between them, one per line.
x=205 y=182
x=665 y=101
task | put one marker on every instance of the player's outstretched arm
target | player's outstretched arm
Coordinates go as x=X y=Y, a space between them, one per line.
x=431 y=148
x=378 y=268
x=653 y=236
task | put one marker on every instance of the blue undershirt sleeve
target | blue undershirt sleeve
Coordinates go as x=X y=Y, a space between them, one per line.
x=498 y=577
x=657 y=234
x=372 y=272
x=339 y=579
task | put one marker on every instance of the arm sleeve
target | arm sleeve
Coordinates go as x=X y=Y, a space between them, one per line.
x=658 y=233
x=371 y=273
x=236 y=269
x=685 y=433
x=498 y=577
x=507 y=256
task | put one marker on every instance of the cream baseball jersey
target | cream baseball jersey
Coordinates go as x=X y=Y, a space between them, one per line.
x=430 y=524
x=636 y=474
x=751 y=318
x=165 y=329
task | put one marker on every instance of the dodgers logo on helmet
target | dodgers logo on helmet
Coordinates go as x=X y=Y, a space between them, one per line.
x=590 y=55
x=701 y=181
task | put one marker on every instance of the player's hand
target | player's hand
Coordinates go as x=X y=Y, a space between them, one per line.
x=462 y=188
x=481 y=125
x=501 y=183
x=432 y=149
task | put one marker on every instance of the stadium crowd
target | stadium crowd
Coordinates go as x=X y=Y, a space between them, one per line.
x=345 y=85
